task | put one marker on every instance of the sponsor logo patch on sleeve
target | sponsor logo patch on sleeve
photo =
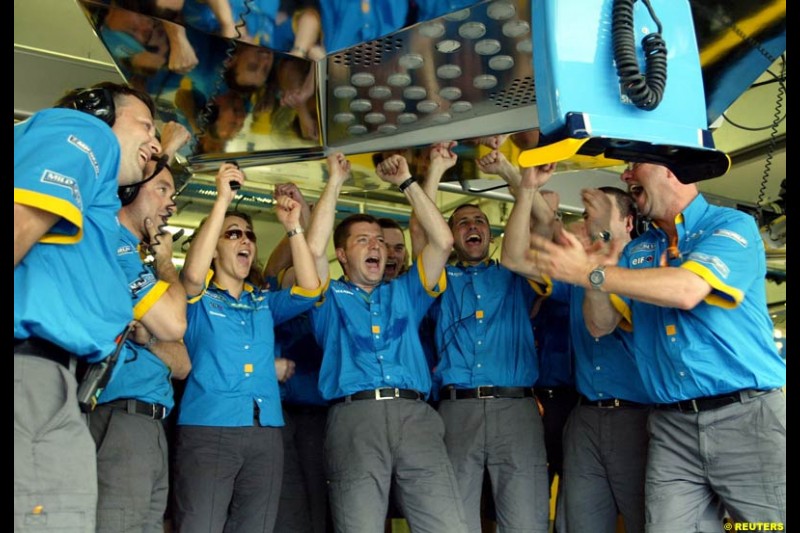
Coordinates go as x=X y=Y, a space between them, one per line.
x=731 y=235
x=83 y=147
x=54 y=178
x=712 y=260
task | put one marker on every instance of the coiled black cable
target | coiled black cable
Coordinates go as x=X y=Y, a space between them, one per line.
x=208 y=115
x=762 y=190
x=644 y=90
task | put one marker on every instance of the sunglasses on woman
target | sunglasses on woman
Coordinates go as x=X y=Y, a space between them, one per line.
x=236 y=234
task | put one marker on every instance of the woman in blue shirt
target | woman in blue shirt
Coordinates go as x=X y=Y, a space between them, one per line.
x=229 y=450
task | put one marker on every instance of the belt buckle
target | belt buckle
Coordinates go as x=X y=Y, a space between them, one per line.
x=379 y=397
x=158 y=411
x=616 y=402
x=481 y=395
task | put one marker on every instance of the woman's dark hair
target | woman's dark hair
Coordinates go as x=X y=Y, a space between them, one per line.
x=254 y=276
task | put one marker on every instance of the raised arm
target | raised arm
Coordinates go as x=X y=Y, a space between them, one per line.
x=442 y=158
x=517 y=233
x=281 y=256
x=182 y=57
x=541 y=213
x=394 y=170
x=173 y=136
x=321 y=225
x=288 y=213
x=201 y=252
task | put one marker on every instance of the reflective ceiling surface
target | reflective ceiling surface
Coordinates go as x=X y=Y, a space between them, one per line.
x=463 y=76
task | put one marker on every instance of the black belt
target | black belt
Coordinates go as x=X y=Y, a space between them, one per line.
x=152 y=410
x=707 y=403
x=551 y=393
x=610 y=403
x=485 y=392
x=381 y=394
x=44 y=349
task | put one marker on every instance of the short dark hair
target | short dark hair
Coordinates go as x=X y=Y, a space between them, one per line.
x=342 y=231
x=117 y=91
x=624 y=200
x=389 y=223
x=457 y=209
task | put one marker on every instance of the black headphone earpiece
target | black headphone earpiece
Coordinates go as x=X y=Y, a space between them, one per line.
x=127 y=194
x=98 y=102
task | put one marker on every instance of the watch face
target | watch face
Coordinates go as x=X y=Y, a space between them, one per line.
x=597 y=277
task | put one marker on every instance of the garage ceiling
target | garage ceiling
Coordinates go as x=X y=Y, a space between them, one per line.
x=56 y=49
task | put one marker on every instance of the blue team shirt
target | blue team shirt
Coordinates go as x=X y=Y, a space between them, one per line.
x=725 y=343
x=430 y=9
x=604 y=366
x=371 y=340
x=231 y=345
x=258 y=17
x=140 y=374
x=69 y=289
x=551 y=336
x=296 y=340
x=483 y=328
x=346 y=23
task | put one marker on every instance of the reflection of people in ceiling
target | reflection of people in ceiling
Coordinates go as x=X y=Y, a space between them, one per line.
x=251 y=21
x=298 y=110
x=431 y=9
x=298 y=29
x=216 y=97
x=226 y=115
x=150 y=52
x=347 y=22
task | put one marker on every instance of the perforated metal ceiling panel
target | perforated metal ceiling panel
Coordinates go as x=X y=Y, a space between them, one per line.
x=467 y=65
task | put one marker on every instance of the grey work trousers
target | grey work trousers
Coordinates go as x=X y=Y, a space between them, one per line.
x=506 y=437
x=368 y=442
x=55 y=470
x=605 y=456
x=132 y=471
x=736 y=453
x=227 y=478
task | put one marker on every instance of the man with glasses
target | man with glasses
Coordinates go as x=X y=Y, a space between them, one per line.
x=693 y=288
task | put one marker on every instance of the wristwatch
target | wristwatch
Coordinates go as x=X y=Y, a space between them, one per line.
x=597 y=277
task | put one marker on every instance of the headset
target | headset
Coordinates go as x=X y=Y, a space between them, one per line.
x=99 y=102
x=127 y=194
x=96 y=101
